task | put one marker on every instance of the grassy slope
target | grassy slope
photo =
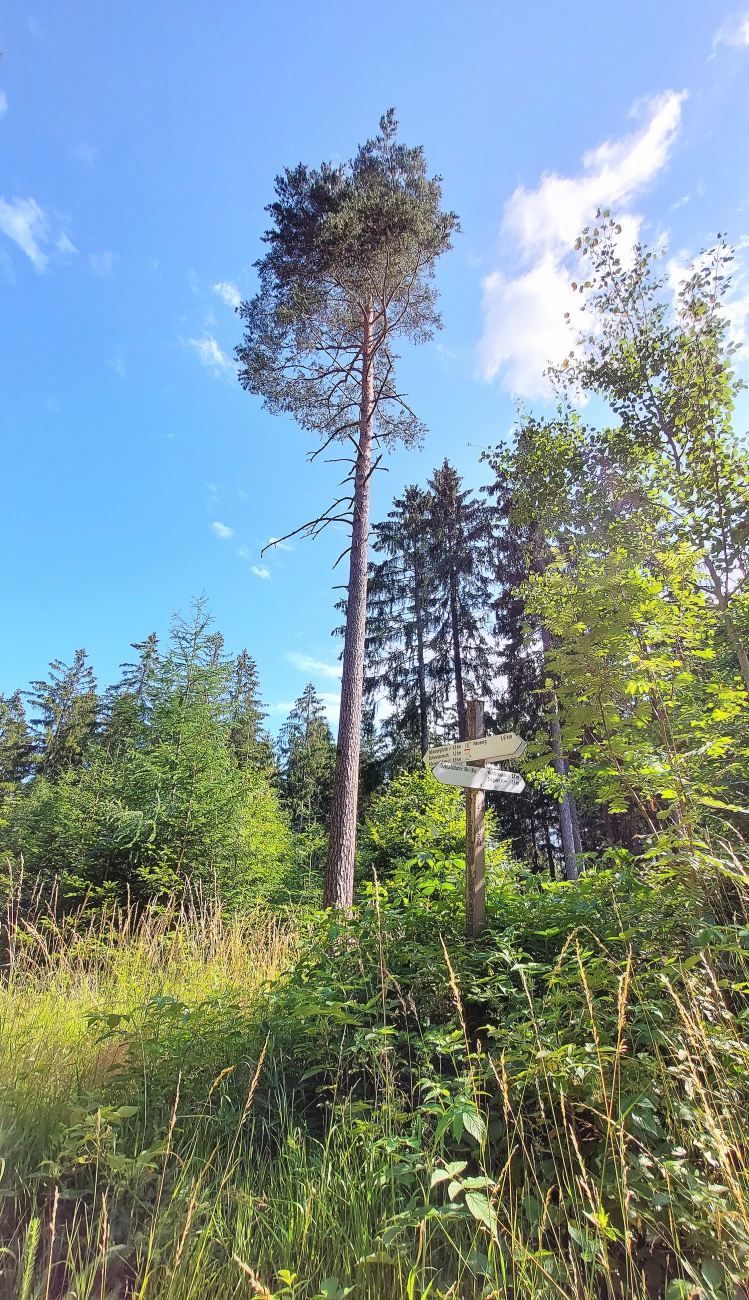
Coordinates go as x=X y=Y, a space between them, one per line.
x=203 y=1105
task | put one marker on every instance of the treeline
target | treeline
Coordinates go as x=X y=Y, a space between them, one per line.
x=595 y=591
x=165 y=778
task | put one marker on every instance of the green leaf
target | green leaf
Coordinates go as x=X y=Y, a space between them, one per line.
x=717 y=803
x=679 y=1289
x=482 y=1211
x=474 y=1123
x=713 y=1273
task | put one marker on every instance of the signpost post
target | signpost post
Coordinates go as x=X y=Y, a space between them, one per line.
x=462 y=763
x=475 y=873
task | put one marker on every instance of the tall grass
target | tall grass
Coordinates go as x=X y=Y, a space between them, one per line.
x=197 y=1105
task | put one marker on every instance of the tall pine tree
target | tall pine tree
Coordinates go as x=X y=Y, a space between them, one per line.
x=349 y=270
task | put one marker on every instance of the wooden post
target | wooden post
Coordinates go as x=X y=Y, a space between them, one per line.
x=475 y=879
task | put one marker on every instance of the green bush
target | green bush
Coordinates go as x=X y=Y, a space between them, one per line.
x=416 y=815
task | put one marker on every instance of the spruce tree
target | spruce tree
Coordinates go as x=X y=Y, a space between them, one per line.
x=128 y=704
x=306 y=758
x=249 y=742
x=67 y=708
x=16 y=744
x=349 y=270
x=461 y=571
x=401 y=619
x=519 y=704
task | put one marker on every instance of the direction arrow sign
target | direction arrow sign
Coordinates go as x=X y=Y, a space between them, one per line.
x=478 y=778
x=506 y=745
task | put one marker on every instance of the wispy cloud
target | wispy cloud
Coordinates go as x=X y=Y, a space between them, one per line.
x=316 y=667
x=86 y=153
x=222 y=531
x=735 y=305
x=23 y=221
x=332 y=705
x=524 y=314
x=734 y=31
x=102 y=263
x=330 y=700
x=118 y=365
x=279 y=709
x=260 y=571
x=210 y=355
x=65 y=245
x=229 y=292
x=3 y=102
x=280 y=544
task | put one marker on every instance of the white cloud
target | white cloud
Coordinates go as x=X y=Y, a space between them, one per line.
x=102 y=263
x=86 y=153
x=524 y=325
x=229 y=292
x=735 y=305
x=280 y=544
x=260 y=571
x=734 y=31
x=3 y=102
x=210 y=354
x=305 y=664
x=332 y=706
x=280 y=708
x=222 y=531
x=23 y=221
x=118 y=365
x=244 y=553
x=65 y=245
x=331 y=702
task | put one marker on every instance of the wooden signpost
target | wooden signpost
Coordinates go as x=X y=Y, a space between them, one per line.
x=462 y=764
x=478 y=778
x=507 y=745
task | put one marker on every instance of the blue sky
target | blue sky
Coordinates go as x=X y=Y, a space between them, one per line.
x=138 y=146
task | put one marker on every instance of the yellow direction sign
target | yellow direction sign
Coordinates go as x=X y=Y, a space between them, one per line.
x=488 y=748
x=478 y=778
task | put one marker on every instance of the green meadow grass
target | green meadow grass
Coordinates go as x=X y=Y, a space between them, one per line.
x=196 y=1104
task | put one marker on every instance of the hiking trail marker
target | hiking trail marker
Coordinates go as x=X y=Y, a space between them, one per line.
x=478 y=778
x=462 y=764
x=505 y=746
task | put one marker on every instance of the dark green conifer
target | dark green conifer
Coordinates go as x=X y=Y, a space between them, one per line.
x=16 y=744
x=67 y=707
x=402 y=616
x=461 y=572
x=249 y=742
x=306 y=759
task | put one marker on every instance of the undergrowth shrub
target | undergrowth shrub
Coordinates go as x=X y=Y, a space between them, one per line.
x=205 y=1105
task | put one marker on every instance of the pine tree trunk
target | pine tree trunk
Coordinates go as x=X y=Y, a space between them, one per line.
x=339 y=871
x=457 y=660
